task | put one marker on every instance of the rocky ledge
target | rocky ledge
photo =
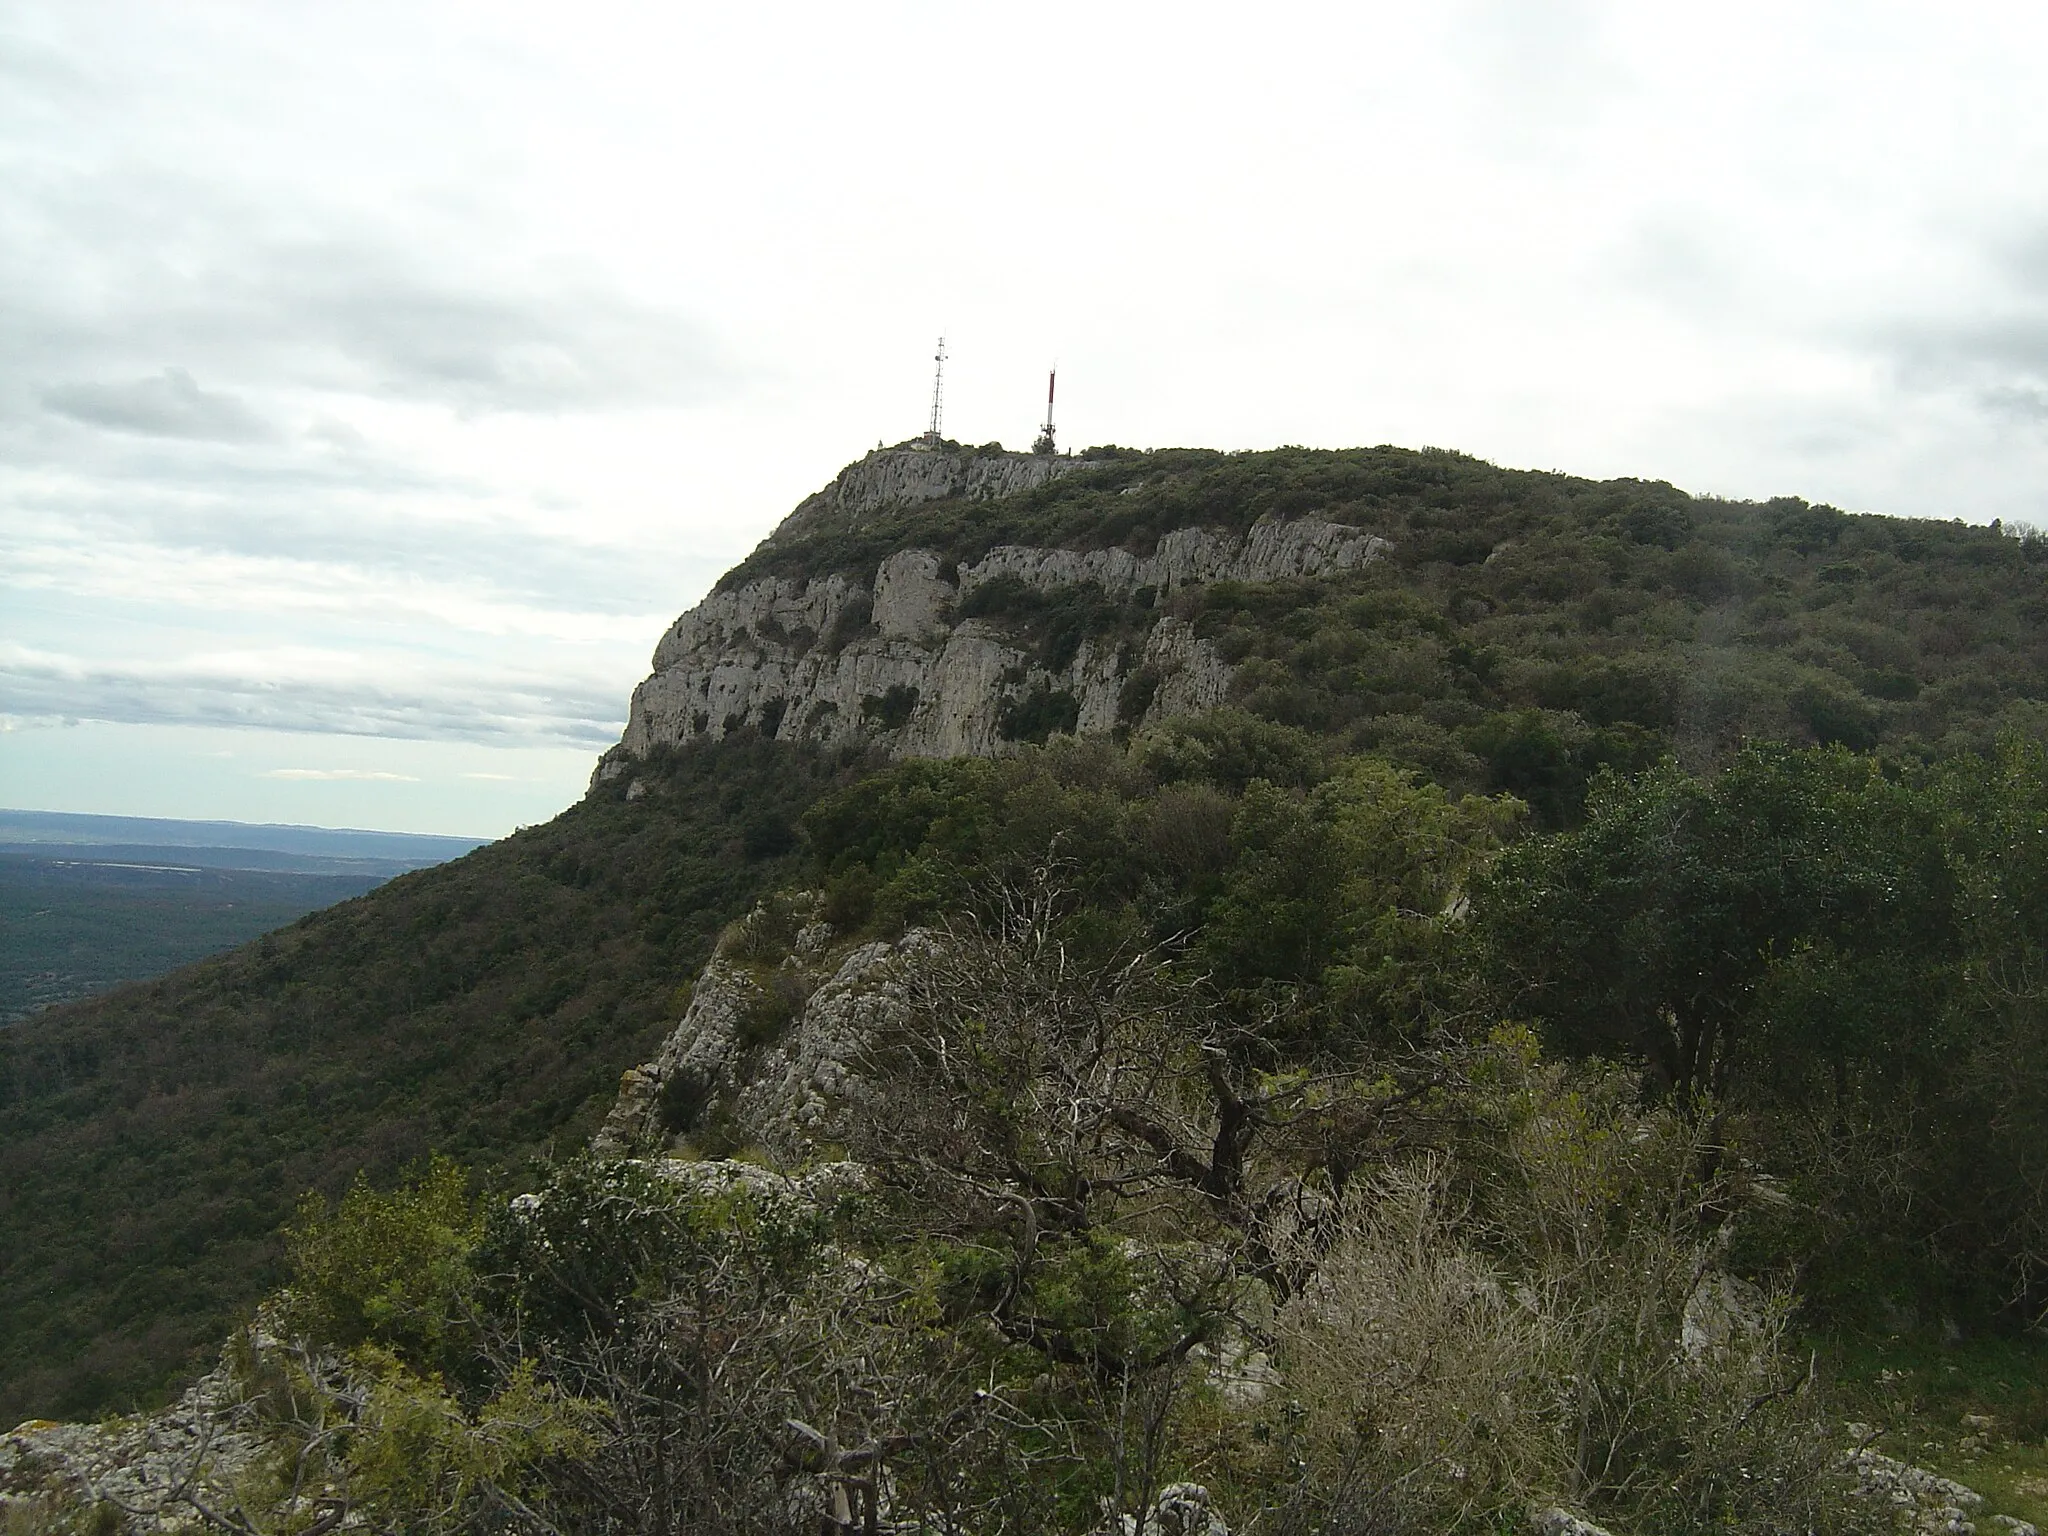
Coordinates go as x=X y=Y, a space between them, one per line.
x=930 y=657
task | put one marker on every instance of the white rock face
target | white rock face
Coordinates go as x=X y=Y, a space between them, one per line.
x=1929 y=1504
x=912 y=601
x=145 y=1464
x=831 y=659
x=811 y=1079
x=905 y=476
x=1272 y=551
x=787 y=1094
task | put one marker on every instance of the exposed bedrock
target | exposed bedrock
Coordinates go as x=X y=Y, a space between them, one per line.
x=911 y=660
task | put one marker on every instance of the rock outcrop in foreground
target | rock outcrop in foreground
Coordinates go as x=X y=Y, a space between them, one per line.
x=903 y=658
x=769 y=1050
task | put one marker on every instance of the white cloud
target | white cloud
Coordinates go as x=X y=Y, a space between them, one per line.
x=170 y=405
x=356 y=389
x=394 y=694
x=364 y=775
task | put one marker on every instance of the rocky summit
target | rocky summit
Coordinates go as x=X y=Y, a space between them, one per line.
x=906 y=655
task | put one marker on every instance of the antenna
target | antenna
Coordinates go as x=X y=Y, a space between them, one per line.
x=1045 y=442
x=932 y=438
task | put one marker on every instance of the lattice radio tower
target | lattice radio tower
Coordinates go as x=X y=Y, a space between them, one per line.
x=932 y=437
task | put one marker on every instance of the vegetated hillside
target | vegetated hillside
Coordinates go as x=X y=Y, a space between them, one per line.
x=88 y=902
x=1525 y=630
x=1221 y=1132
x=153 y=1140
x=72 y=926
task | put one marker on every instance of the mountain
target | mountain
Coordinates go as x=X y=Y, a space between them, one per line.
x=1485 y=630
x=944 y=658
x=152 y=1140
x=1491 y=628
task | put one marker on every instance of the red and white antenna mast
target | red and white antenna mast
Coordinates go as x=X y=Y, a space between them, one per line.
x=1045 y=442
x=932 y=436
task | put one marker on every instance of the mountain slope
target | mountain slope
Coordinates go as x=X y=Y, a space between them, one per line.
x=153 y=1140
x=1491 y=629
x=1495 y=629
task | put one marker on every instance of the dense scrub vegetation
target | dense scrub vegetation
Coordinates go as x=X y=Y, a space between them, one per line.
x=1528 y=629
x=1602 y=942
x=153 y=1141
x=72 y=926
x=1845 y=956
x=1265 y=1118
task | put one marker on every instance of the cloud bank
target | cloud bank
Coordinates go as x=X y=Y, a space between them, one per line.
x=172 y=405
x=338 y=694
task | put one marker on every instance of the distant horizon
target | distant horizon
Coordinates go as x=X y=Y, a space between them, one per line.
x=257 y=777
x=228 y=821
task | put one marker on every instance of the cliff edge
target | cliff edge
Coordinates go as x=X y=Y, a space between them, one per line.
x=932 y=656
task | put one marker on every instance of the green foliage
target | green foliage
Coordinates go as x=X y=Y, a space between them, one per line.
x=389 y=1269
x=1850 y=958
x=1535 y=1317
x=384 y=1309
x=1974 y=1409
x=1525 y=630
x=1108 y=1190
x=152 y=1142
x=60 y=1515
x=1350 y=890
x=1039 y=714
x=1991 y=1147
x=1230 y=749
x=1052 y=624
x=1334 y=881
x=891 y=709
x=1843 y=952
x=70 y=928
x=422 y=1461
x=1250 y=991
x=1793 y=910
x=607 y=1240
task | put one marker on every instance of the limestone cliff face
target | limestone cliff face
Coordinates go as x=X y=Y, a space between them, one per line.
x=905 y=476
x=830 y=657
x=770 y=1051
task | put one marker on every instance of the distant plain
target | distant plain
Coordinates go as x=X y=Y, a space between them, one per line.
x=90 y=902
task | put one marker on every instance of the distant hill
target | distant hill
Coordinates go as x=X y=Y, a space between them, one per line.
x=88 y=902
x=152 y=1140
x=234 y=844
x=1485 y=628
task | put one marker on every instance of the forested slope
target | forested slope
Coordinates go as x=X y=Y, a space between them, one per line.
x=152 y=1141
x=1524 y=628
x=1525 y=631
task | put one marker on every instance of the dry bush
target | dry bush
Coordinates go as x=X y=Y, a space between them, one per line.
x=1541 y=1317
x=1415 y=1370
x=769 y=932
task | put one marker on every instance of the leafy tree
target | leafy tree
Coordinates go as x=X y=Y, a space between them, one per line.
x=1353 y=890
x=1794 y=911
x=1990 y=1145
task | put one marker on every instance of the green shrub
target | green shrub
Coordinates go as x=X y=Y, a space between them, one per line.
x=386 y=1268
x=1038 y=714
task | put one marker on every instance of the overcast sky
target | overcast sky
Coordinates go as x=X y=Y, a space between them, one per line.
x=377 y=381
